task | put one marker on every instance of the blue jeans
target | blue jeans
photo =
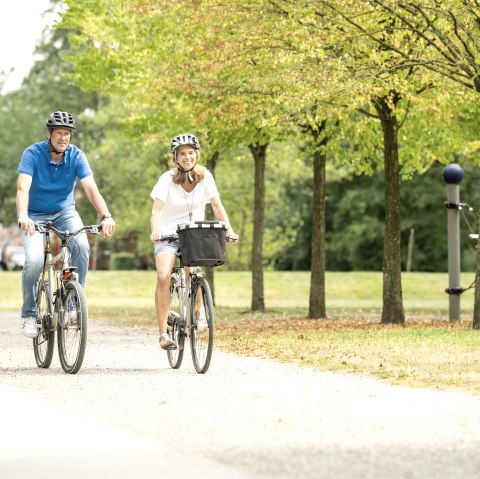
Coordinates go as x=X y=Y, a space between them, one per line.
x=34 y=246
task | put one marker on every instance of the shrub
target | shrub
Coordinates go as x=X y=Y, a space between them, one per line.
x=123 y=260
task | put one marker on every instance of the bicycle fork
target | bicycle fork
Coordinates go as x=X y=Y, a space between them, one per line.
x=183 y=293
x=48 y=278
x=56 y=281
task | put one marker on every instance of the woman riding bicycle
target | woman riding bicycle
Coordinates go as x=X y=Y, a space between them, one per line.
x=179 y=196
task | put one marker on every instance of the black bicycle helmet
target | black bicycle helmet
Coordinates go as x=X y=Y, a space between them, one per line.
x=61 y=119
x=184 y=139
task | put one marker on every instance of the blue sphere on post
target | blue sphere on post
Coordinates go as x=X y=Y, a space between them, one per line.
x=453 y=174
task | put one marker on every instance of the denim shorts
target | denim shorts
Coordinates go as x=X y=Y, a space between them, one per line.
x=167 y=247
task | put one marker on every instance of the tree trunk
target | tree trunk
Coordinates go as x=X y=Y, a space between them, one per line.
x=259 y=153
x=392 y=311
x=209 y=216
x=317 y=308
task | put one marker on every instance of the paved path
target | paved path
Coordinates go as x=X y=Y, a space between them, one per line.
x=127 y=414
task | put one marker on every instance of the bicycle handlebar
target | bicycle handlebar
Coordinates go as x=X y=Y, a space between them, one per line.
x=43 y=228
x=168 y=238
x=174 y=237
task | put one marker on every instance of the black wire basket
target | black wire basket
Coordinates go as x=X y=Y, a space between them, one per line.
x=202 y=243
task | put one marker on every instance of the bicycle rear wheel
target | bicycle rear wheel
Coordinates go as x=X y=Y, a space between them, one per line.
x=176 y=326
x=201 y=338
x=44 y=343
x=72 y=328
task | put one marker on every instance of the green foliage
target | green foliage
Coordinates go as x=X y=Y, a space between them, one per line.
x=123 y=260
x=23 y=114
x=355 y=223
x=234 y=74
x=447 y=36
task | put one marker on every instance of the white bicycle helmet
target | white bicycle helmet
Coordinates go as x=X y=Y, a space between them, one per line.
x=61 y=119
x=184 y=139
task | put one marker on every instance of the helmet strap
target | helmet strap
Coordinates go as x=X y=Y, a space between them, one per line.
x=52 y=148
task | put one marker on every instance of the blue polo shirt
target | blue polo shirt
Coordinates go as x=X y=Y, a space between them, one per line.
x=52 y=184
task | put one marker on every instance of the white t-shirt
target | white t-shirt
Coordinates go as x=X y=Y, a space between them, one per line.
x=178 y=203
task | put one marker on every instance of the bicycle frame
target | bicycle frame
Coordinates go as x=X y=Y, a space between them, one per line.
x=185 y=285
x=61 y=304
x=56 y=278
x=190 y=315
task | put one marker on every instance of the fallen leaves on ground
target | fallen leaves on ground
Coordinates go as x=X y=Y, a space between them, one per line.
x=264 y=323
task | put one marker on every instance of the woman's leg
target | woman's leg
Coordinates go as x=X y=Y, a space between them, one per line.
x=164 y=262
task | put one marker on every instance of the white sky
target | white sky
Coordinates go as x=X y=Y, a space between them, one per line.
x=21 y=26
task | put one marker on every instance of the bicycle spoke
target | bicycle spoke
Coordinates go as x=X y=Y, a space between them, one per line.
x=72 y=331
x=175 y=330
x=44 y=343
x=201 y=334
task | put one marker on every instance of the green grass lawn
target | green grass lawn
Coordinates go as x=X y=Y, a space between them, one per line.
x=428 y=351
x=345 y=291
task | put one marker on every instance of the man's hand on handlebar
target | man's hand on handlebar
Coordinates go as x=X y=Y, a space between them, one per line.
x=27 y=225
x=108 y=227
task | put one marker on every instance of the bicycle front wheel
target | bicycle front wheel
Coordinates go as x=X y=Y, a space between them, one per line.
x=72 y=328
x=44 y=343
x=176 y=326
x=201 y=333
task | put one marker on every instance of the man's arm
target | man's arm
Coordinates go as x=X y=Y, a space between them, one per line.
x=93 y=194
x=23 y=189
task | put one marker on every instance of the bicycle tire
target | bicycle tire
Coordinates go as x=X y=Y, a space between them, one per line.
x=174 y=328
x=201 y=342
x=72 y=328
x=44 y=343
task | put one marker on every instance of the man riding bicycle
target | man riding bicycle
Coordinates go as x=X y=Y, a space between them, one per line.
x=47 y=175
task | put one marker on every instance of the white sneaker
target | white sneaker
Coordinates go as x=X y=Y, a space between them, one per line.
x=202 y=323
x=29 y=328
x=71 y=318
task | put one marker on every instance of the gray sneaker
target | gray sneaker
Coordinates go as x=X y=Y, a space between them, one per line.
x=166 y=342
x=30 y=328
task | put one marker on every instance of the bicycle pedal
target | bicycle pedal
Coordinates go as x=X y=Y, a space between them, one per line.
x=172 y=317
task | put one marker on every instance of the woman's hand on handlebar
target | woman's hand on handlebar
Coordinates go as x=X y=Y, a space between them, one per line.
x=231 y=236
x=155 y=237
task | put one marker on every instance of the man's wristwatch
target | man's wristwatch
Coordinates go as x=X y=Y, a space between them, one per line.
x=106 y=215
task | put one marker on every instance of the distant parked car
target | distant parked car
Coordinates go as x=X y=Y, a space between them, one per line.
x=14 y=257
